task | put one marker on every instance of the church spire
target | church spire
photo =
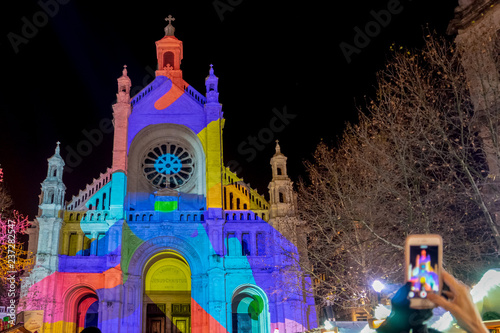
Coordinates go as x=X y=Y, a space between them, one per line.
x=211 y=83
x=282 y=196
x=121 y=112
x=278 y=148
x=124 y=84
x=169 y=29
x=278 y=163
x=169 y=55
x=53 y=188
x=49 y=219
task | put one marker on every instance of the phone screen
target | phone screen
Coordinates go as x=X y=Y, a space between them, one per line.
x=423 y=270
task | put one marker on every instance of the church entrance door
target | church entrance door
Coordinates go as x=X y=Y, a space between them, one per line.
x=167 y=294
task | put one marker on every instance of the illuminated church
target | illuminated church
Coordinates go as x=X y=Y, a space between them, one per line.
x=168 y=239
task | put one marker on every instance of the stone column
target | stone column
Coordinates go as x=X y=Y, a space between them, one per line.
x=93 y=244
x=65 y=243
x=79 y=246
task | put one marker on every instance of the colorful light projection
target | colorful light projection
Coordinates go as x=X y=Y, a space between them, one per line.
x=161 y=250
x=423 y=276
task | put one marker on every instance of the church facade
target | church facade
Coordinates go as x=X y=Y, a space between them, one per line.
x=168 y=239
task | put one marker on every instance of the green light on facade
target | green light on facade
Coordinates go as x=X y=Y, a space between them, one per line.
x=165 y=206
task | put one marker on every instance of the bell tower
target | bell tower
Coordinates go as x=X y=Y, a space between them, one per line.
x=53 y=188
x=169 y=55
x=121 y=113
x=282 y=198
x=49 y=218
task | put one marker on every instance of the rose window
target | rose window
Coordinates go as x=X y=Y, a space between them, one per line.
x=168 y=166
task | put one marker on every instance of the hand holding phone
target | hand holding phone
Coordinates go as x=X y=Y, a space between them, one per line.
x=424 y=256
x=459 y=302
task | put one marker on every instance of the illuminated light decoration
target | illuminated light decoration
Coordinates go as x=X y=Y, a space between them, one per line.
x=13 y=257
x=165 y=206
x=378 y=286
x=167 y=237
x=23 y=259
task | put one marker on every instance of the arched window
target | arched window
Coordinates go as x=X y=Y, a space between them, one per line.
x=168 y=59
x=250 y=310
x=81 y=309
x=281 y=197
x=278 y=171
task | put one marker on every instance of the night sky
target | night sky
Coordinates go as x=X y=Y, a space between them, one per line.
x=60 y=65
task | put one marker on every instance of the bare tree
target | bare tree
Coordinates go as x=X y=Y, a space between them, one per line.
x=13 y=258
x=414 y=163
x=6 y=203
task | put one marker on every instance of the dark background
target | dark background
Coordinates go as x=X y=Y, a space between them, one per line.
x=267 y=55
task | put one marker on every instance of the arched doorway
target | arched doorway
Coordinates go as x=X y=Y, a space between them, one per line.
x=81 y=309
x=250 y=310
x=167 y=294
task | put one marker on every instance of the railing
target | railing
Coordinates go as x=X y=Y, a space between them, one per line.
x=87 y=216
x=154 y=216
x=245 y=215
x=187 y=88
x=141 y=94
x=195 y=94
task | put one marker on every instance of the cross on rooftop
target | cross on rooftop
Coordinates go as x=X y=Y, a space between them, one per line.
x=169 y=19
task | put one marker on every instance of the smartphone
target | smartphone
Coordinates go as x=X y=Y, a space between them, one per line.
x=424 y=257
